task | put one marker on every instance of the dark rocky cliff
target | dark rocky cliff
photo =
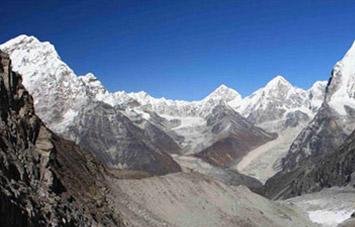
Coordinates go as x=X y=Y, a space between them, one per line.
x=44 y=180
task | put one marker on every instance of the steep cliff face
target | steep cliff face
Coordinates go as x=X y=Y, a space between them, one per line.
x=322 y=136
x=334 y=169
x=335 y=119
x=44 y=180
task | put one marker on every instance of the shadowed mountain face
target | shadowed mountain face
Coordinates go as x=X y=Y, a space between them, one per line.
x=44 y=180
x=334 y=169
x=117 y=142
x=322 y=136
x=236 y=137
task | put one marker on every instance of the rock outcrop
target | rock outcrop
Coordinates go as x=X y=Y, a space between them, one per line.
x=44 y=180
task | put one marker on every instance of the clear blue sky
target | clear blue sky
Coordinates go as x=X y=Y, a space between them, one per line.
x=185 y=49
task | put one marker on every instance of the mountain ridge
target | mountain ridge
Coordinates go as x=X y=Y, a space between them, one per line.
x=181 y=124
x=322 y=154
x=50 y=49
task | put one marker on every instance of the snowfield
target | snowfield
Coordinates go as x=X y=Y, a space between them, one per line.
x=329 y=207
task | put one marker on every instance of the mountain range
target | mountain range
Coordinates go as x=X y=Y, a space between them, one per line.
x=281 y=141
x=49 y=181
x=79 y=108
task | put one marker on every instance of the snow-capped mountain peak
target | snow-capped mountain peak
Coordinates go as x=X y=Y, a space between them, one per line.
x=318 y=85
x=224 y=93
x=32 y=45
x=94 y=86
x=341 y=88
x=222 y=88
x=277 y=81
x=45 y=74
x=45 y=70
x=36 y=59
x=64 y=101
x=316 y=94
x=351 y=51
x=279 y=88
x=274 y=102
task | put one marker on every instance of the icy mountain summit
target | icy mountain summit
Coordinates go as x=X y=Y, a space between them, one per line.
x=340 y=92
x=47 y=76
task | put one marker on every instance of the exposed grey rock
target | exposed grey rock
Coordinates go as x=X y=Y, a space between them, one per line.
x=348 y=223
x=44 y=180
x=117 y=142
x=293 y=119
x=333 y=169
x=323 y=135
x=335 y=119
x=236 y=137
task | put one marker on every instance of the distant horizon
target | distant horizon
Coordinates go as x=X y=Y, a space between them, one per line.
x=184 y=51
